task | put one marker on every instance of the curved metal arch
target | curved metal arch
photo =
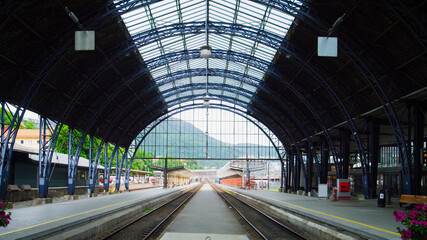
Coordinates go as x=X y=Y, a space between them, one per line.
x=201 y=86
x=299 y=152
x=288 y=7
x=150 y=36
x=168 y=78
x=197 y=106
x=216 y=53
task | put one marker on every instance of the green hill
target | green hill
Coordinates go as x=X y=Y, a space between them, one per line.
x=193 y=142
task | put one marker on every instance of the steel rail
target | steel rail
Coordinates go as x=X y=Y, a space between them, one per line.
x=196 y=189
x=288 y=230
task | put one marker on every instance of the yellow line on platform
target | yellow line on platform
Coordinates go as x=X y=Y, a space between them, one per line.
x=74 y=215
x=329 y=215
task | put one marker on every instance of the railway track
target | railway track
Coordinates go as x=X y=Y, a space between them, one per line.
x=149 y=225
x=265 y=226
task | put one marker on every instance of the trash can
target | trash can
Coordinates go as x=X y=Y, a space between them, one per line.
x=381 y=198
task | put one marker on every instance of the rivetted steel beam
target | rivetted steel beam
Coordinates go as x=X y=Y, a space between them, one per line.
x=93 y=165
x=74 y=151
x=8 y=137
x=119 y=166
x=108 y=163
x=48 y=137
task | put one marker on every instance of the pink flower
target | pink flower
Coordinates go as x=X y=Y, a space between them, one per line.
x=2 y=214
x=422 y=223
x=418 y=206
x=424 y=207
x=408 y=234
x=413 y=222
x=400 y=217
x=8 y=217
x=2 y=205
x=404 y=234
x=412 y=215
x=415 y=212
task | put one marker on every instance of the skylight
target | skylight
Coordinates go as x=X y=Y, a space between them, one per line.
x=169 y=15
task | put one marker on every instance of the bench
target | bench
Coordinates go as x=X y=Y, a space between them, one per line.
x=412 y=199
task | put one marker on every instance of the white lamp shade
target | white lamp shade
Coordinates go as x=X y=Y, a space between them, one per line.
x=205 y=52
x=206 y=102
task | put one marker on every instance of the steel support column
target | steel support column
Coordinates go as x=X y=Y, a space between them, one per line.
x=48 y=136
x=93 y=167
x=418 y=147
x=297 y=170
x=293 y=166
x=324 y=162
x=288 y=170
x=374 y=149
x=282 y=177
x=345 y=152
x=165 y=174
x=119 y=167
x=73 y=159
x=309 y=176
x=8 y=136
x=108 y=163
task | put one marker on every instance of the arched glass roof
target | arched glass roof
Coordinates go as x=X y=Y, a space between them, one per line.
x=150 y=24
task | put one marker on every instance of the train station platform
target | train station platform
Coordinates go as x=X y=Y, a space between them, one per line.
x=362 y=217
x=205 y=217
x=42 y=220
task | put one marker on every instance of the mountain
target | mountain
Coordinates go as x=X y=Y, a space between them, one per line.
x=193 y=142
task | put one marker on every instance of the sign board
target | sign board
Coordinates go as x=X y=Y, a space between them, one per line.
x=84 y=41
x=344 y=191
x=323 y=191
x=327 y=46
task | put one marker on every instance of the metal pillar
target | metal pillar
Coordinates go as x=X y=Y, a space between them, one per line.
x=297 y=170
x=293 y=170
x=324 y=162
x=47 y=142
x=345 y=152
x=418 y=117
x=8 y=137
x=73 y=159
x=119 y=167
x=165 y=173
x=107 y=165
x=93 y=164
x=248 y=172
x=282 y=172
x=128 y=166
x=309 y=176
x=374 y=149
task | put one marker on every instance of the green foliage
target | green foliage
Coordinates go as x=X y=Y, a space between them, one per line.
x=8 y=117
x=62 y=144
x=28 y=124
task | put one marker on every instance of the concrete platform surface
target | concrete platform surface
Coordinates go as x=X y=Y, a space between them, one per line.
x=206 y=215
x=28 y=221
x=359 y=216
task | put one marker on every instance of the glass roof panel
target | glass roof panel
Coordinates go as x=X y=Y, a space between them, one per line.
x=221 y=15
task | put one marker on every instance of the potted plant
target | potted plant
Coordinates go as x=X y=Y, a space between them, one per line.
x=4 y=217
x=415 y=222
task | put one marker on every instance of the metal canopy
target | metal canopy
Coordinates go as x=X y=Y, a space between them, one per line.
x=263 y=61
